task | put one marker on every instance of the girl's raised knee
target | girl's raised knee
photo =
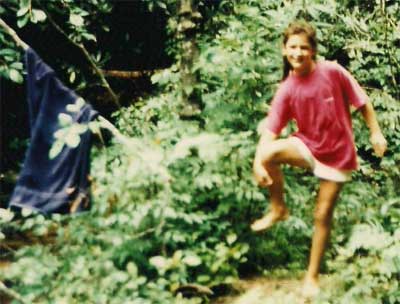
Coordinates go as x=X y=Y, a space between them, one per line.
x=274 y=152
x=270 y=155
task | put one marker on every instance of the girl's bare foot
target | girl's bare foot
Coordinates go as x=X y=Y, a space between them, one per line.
x=310 y=288
x=270 y=219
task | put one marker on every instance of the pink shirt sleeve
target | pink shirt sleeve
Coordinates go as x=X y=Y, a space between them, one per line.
x=352 y=90
x=280 y=112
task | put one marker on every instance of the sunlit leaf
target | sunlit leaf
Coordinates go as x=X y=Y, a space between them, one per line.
x=94 y=127
x=89 y=37
x=72 y=77
x=132 y=269
x=38 y=15
x=26 y=212
x=23 y=21
x=56 y=148
x=192 y=260
x=22 y=11
x=64 y=119
x=16 y=76
x=78 y=128
x=158 y=261
x=231 y=238
x=17 y=65
x=72 y=139
x=6 y=215
x=6 y=51
x=76 y=20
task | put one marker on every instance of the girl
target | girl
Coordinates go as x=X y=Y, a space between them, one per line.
x=317 y=95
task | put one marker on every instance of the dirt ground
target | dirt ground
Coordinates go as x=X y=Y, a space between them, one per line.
x=264 y=290
x=258 y=290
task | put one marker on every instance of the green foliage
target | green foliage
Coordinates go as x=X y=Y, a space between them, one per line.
x=59 y=30
x=10 y=65
x=172 y=201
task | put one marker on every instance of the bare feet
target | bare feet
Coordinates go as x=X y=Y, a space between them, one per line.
x=269 y=220
x=310 y=288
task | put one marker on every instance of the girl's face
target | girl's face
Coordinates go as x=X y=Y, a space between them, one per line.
x=299 y=53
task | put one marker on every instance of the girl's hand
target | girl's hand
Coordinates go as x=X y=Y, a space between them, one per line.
x=379 y=143
x=260 y=174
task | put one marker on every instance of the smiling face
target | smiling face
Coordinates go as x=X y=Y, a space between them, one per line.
x=299 y=53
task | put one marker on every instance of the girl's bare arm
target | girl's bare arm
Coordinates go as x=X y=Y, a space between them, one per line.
x=377 y=139
x=260 y=173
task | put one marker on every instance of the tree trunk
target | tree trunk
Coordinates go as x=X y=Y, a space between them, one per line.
x=187 y=29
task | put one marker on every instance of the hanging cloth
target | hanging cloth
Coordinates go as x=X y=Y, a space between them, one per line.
x=58 y=185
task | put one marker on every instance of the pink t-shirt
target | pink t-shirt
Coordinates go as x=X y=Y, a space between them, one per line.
x=320 y=105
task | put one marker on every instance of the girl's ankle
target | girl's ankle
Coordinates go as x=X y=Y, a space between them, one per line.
x=282 y=214
x=280 y=209
x=311 y=279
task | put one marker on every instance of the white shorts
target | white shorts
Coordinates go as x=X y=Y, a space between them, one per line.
x=319 y=169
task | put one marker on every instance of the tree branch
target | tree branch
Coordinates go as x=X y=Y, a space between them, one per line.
x=98 y=72
x=13 y=35
x=11 y=293
x=129 y=74
x=89 y=58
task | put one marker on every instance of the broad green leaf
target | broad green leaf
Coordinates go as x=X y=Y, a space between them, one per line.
x=192 y=260
x=6 y=215
x=203 y=278
x=72 y=139
x=59 y=134
x=64 y=119
x=76 y=20
x=56 y=148
x=81 y=12
x=78 y=128
x=72 y=108
x=15 y=76
x=80 y=102
x=162 y=5
x=26 y=212
x=231 y=238
x=177 y=256
x=25 y=3
x=132 y=269
x=9 y=52
x=72 y=77
x=89 y=36
x=75 y=107
x=23 y=21
x=38 y=15
x=22 y=11
x=155 y=78
x=159 y=262
x=17 y=65
x=94 y=127
x=41 y=230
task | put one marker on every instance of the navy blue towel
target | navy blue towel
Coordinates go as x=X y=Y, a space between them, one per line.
x=58 y=185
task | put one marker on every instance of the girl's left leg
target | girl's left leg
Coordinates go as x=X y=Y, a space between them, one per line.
x=327 y=196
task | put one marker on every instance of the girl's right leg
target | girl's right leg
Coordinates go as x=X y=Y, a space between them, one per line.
x=281 y=151
x=327 y=197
